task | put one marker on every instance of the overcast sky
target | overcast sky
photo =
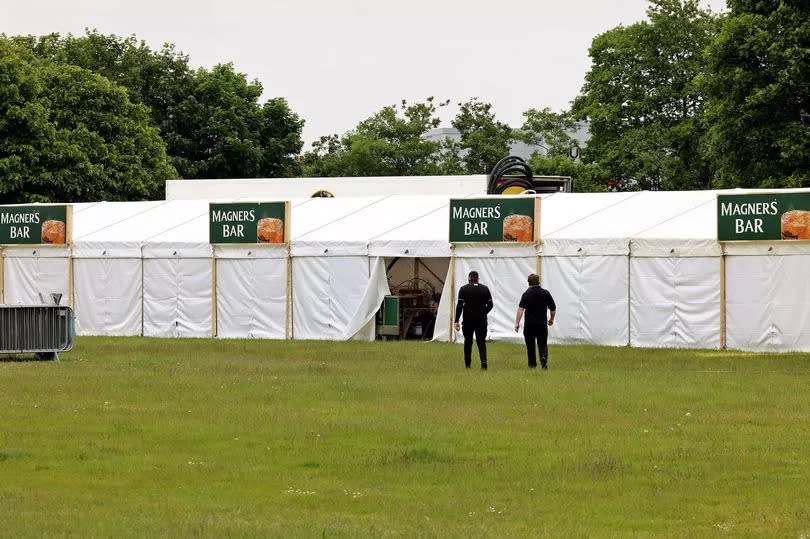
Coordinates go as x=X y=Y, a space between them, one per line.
x=337 y=62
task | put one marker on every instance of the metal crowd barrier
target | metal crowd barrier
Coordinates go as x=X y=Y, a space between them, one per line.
x=44 y=330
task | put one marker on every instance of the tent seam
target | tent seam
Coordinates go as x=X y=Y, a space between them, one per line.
x=674 y=217
x=343 y=216
x=600 y=210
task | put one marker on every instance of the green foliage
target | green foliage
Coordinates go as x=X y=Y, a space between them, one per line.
x=388 y=143
x=136 y=437
x=642 y=100
x=484 y=140
x=211 y=119
x=758 y=84
x=586 y=177
x=222 y=132
x=67 y=134
x=551 y=130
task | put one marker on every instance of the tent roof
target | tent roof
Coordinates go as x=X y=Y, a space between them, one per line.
x=407 y=225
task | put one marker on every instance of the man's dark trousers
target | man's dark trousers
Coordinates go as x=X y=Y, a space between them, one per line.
x=478 y=329
x=538 y=332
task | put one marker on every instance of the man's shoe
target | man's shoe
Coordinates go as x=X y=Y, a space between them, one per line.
x=545 y=366
x=484 y=367
x=532 y=366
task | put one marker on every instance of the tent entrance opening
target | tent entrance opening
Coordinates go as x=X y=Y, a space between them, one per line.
x=417 y=284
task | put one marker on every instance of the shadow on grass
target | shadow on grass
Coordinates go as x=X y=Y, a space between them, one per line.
x=28 y=358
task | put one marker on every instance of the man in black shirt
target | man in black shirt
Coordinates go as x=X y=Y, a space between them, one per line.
x=474 y=302
x=535 y=302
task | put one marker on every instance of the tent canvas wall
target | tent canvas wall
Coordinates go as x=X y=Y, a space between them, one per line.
x=638 y=268
x=675 y=269
x=767 y=294
x=32 y=274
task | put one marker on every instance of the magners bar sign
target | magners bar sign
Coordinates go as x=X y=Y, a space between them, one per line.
x=494 y=219
x=763 y=216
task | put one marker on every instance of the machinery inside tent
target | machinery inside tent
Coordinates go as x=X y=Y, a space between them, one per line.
x=639 y=268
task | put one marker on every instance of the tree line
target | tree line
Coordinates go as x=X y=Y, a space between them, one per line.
x=686 y=99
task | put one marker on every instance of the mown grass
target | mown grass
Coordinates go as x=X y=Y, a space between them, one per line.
x=148 y=437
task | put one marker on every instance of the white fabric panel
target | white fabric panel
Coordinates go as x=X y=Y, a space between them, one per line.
x=675 y=302
x=506 y=280
x=558 y=211
x=442 y=331
x=416 y=247
x=302 y=248
x=495 y=250
x=367 y=332
x=369 y=304
x=664 y=248
x=98 y=249
x=591 y=297
x=177 y=297
x=30 y=281
x=766 y=303
x=107 y=292
x=251 y=298
x=627 y=215
x=241 y=252
x=99 y=217
x=675 y=214
x=585 y=247
x=147 y=221
x=36 y=251
x=377 y=216
x=765 y=248
x=327 y=292
x=177 y=249
x=425 y=235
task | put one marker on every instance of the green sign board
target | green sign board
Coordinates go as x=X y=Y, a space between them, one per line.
x=763 y=216
x=248 y=222
x=492 y=219
x=34 y=225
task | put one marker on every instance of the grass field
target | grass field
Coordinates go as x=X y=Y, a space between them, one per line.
x=144 y=437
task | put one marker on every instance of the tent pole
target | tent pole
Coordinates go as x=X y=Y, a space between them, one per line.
x=537 y=201
x=142 y=292
x=538 y=267
x=2 y=276
x=723 y=329
x=288 y=312
x=69 y=298
x=288 y=324
x=451 y=335
x=213 y=294
x=629 y=292
x=69 y=240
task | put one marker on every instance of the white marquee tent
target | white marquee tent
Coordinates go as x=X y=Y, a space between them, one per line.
x=640 y=269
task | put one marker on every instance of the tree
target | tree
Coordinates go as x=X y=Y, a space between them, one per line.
x=211 y=119
x=67 y=134
x=389 y=143
x=484 y=140
x=586 y=177
x=758 y=85
x=643 y=100
x=219 y=131
x=550 y=130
